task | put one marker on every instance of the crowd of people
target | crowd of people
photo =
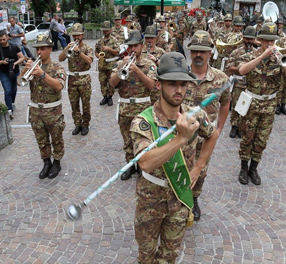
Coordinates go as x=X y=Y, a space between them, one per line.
x=157 y=89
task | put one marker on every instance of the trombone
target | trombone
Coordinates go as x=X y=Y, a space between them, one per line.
x=70 y=51
x=27 y=77
x=123 y=73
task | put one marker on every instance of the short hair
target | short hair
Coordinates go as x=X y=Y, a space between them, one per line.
x=3 y=32
x=12 y=18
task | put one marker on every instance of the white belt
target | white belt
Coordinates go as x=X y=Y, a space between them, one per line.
x=49 y=105
x=79 y=73
x=112 y=59
x=133 y=100
x=261 y=97
x=147 y=176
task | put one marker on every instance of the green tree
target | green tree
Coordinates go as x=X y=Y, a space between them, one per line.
x=102 y=13
x=42 y=6
x=65 y=7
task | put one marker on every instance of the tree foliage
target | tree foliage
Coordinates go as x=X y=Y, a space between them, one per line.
x=103 y=13
x=42 y=6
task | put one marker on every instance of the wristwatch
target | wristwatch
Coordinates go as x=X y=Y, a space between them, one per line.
x=79 y=52
x=43 y=75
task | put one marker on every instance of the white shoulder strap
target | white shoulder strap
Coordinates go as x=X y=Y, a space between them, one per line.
x=167 y=36
x=125 y=32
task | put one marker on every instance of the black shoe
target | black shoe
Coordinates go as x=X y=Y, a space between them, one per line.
x=109 y=101
x=196 y=210
x=243 y=176
x=283 y=109
x=233 y=130
x=278 y=110
x=238 y=133
x=127 y=175
x=104 y=101
x=254 y=176
x=76 y=130
x=84 y=131
x=45 y=171
x=56 y=168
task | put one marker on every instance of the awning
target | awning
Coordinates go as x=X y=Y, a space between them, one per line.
x=150 y=2
x=248 y=1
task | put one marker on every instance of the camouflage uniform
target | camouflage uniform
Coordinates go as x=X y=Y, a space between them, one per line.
x=163 y=44
x=256 y=125
x=157 y=53
x=195 y=94
x=118 y=34
x=281 y=98
x=79 y=87
x=158 y=212
x=163 y=35
x=48 y=122
x=239 y=86
x=132 y=88
x=105 y=71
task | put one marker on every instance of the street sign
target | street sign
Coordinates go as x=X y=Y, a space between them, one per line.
x=22 y=2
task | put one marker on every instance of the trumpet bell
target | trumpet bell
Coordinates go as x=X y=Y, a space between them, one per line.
x=22 y=81
x=123 y=74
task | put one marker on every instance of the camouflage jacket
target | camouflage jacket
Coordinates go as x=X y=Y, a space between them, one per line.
x=197 y=92
x=198 y=26
x=110 y=42
x=163 y=36
x=133 y=87
x=281 y=34
x=266 y=77
x=77 y=64
x=142 y=137
x=157 y=52
x=162 y=43
x=221 y=33
x=119 y=34
x=234 y=60
x=41 y=92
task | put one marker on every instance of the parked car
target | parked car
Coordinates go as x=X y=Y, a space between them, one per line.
x=69 y=24
x=43 y=28
x=31 y=32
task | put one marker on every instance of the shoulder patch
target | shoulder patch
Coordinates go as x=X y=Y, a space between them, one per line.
x=152 y=68
x=144 y=126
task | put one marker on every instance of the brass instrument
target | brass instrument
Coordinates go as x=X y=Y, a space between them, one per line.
x=281 y=58
x=101 y=59
x=27 y=77
x=148 y=48
x=172 y=26
x=232 y=40
x=123 y=73
x=132 y=26
x=70 y=51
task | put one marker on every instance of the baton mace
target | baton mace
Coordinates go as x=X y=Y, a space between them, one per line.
x=74 y=212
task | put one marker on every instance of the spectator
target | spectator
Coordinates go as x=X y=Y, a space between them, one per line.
x=16 y=32
x=54 y=28
x=63 y=32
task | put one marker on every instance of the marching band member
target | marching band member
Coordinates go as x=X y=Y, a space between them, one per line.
x=263 y=74
x=209 y=80
x=199 y=23
x=106 y=49
x=79 y=81
x=46 y=115
x=134 y=91
x=118 y=31
x=249 y=36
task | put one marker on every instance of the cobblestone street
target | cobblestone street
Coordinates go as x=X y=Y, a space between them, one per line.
x=239 y=224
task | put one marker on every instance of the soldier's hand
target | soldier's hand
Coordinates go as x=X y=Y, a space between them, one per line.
x=37 y=71
x=194 y=176
x=268 y=52
x=105 y=48
x=186 y=127
x=28 y=64
x=133 y=68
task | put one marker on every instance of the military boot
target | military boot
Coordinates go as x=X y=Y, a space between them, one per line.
x=56 y=168
x=104 y=100
x=233 y=130
x=77 y=130
x=196 y=210
x=109 y=101
x=238 y=133
x=45 y=171
x=283 y=109
x=253 y=174
x=278 y=110
x=127 y=175
x=243 y=174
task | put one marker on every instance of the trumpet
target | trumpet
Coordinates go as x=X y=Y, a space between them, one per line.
x=281 y=58
x=27 y=77
x=101 y=59
x=70 y=51
x=123 y=73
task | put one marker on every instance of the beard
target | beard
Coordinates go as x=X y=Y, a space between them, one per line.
x=198 y=61
x=169 y=99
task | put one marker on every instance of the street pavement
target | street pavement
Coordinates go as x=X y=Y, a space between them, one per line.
x=239 y=224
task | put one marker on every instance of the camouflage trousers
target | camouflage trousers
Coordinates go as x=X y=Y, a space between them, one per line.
x=256 y=127
x=124 y=125
x=160 y=222
x=46 y=126
x=234 y=116
x=75 y=94
x=197 y=190
x=104 y=77
x=281 y=95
